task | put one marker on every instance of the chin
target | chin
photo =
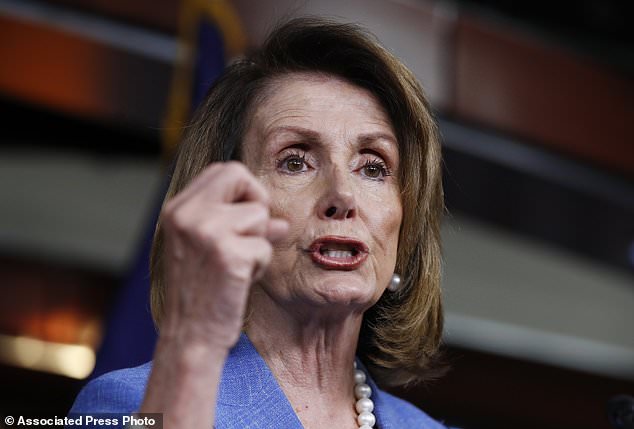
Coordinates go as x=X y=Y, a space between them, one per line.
x=345 y=291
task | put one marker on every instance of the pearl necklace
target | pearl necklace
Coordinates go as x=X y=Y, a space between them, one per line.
x=364 y=405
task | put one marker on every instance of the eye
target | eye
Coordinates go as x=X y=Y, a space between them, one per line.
x=293 y=163
x=375 y=169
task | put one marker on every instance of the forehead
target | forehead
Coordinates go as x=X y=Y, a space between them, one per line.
x=317 y=99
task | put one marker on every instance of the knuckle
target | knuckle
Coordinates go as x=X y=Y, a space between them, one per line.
x=260 y=212
x=207 y=174
x=239 y=262
x=179 y=222
x=262 y=252
x=267 y=247
x=168 y=208
x=236 y=167
x=212 y=168
x=237 y=268
x=267 y=253
x=170 y=217
x=208 y=235
x=200 y=235
x=222 y=258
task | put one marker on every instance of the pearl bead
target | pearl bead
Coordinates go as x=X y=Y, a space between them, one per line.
x=364 y=404
x=359 y=376
x=366 y=418
x=362 y=391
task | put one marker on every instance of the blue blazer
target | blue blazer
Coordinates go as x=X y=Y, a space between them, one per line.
x=249 y=396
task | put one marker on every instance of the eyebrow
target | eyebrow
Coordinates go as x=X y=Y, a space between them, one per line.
x=308 y=135
x=371 y=137
x=314 y=137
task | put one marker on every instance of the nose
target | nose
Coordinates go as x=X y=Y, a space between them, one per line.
x=338 y=199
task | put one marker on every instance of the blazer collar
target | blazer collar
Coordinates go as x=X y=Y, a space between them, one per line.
x=250 y=397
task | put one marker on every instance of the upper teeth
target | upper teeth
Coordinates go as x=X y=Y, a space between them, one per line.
x=338 y=253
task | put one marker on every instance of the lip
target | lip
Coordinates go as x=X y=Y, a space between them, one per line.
x=359 y=249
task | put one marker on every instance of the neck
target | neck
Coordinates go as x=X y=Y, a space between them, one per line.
x=311 y=353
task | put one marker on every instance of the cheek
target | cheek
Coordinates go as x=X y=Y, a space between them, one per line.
x=387 y=215
x=291 y=200
x=391 y=225
x=296 y=209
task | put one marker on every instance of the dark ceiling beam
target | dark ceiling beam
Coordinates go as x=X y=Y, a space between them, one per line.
x=84 y=65
x=515 y=82
x=160 y=15
x=529 y=190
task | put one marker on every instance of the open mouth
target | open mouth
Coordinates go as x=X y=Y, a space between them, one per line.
x=336 y=252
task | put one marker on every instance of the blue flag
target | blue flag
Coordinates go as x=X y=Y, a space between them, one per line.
x=209 y=30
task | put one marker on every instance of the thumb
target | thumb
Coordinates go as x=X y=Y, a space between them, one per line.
x=276 y=229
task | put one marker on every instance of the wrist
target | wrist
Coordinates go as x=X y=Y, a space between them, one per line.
x=189 y=353
x=181 y=377
x=217 y=337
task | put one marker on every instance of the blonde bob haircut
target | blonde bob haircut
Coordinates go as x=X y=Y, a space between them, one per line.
x=401 y=334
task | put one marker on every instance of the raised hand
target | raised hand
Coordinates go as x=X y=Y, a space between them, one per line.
x=218 y=234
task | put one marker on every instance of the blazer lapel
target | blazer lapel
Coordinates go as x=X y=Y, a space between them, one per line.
x=249 y=396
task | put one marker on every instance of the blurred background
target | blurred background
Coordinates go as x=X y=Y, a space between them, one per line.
x=535 y=101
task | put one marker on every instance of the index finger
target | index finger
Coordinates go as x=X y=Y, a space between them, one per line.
x=226 y=182
x=242 y=186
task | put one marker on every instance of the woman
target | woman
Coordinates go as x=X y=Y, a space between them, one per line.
x=270 y=273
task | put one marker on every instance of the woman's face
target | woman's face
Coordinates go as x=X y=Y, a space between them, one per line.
x=326 y=151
